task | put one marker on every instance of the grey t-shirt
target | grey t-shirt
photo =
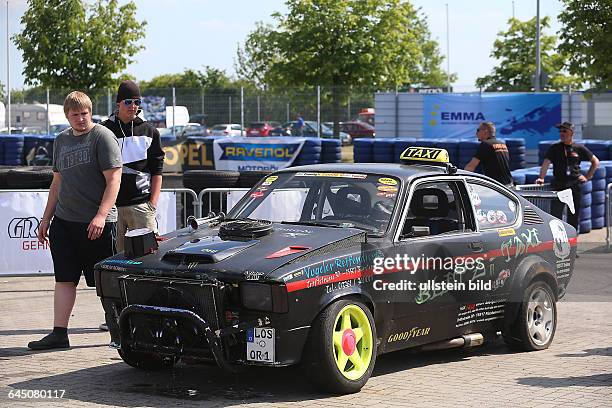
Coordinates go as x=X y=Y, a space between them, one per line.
x=80 y=160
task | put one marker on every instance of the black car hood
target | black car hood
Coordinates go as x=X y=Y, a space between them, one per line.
x=191 y=254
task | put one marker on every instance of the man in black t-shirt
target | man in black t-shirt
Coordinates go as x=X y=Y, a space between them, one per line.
x=493 y=154
x=566 y=157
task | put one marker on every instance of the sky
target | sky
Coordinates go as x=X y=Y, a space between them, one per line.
x=184 y=34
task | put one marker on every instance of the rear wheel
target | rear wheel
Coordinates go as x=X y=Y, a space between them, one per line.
x=144 y=360
x=534 y=328
x=341 y=349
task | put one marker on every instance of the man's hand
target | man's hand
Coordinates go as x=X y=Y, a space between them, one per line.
x=95 y=227
x=539 y=180
x=43 y=228
x=582 y=179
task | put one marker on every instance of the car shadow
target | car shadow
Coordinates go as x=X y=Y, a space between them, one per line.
x=72 y=330
x=8 y=352
x=595 y=380
x=121 y=385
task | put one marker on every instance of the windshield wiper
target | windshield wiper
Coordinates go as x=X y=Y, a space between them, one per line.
x=313 y=223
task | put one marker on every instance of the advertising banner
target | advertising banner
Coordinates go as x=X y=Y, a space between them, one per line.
x=522 y=115
x=246 y=154
x=20 y=213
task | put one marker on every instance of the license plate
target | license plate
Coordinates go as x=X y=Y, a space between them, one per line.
x=260 y=344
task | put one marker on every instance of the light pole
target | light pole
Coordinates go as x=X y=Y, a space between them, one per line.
x=8 y=72
x=448 y=75
x=538 y=68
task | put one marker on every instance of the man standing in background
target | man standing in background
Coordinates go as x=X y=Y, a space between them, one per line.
x=143 y=160
x=493 y=154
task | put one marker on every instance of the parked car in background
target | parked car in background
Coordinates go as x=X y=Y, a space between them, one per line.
x=261 y=128
x=357 y=129
x=55 y=130
x=227 y=129
x=309 y=130
x=193 y=129
x=200 y=118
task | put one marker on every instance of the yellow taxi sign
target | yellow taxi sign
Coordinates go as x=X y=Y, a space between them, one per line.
x=425 y=154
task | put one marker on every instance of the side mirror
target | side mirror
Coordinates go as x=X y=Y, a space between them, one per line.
x=418 y=231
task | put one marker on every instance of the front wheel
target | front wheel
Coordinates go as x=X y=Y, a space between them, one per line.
x=534 y=328
x=341 y=349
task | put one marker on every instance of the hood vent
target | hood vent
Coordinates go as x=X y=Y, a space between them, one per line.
x=207 y=250
x=530 y=217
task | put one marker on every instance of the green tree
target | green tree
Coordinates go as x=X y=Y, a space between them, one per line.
x=210 y=80
x=586 y=36
x=515 y=50
x=68 y=45
x=378 y=44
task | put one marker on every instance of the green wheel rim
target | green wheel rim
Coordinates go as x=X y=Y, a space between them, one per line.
x=352 y=342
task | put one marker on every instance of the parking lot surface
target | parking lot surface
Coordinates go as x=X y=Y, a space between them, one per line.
x=575 y=371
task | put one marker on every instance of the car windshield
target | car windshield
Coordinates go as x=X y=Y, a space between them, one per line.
x=219 y=127
x=345 y=200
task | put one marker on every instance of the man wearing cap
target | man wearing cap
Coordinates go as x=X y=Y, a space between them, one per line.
x=565 y=157
x=493 y=154
x=143 y=160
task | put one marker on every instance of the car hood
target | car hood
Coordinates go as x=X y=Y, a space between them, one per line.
x=206 y=254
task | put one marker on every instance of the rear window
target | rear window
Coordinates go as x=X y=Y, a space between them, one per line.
x=219 y=127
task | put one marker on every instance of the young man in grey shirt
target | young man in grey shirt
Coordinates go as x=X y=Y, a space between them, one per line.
x=86 y=178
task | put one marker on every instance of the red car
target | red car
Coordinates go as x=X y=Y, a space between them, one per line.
x=357 y=129
x=260 y=128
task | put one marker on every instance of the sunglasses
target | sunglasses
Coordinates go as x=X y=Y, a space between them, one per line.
x=128 y=102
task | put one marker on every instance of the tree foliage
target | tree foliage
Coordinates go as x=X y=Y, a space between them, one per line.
x=67 y=44
x=338 y=44
x=515 y=51
x=210 y=80
x=586 y=36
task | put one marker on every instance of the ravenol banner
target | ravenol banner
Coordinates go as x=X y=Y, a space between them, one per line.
x=246 y=154
x=522 y=115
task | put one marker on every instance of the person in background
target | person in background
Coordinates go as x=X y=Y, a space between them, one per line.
x=493 y=154
x=80 y=209
x=143 y=160
x=565 y=157
x=298 y=129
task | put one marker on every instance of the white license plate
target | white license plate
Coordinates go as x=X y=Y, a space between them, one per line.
x=260 y=344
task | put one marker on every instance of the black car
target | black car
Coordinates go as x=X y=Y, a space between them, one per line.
x=332 y=265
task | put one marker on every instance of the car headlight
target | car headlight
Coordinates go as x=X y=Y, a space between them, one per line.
x=264 y=297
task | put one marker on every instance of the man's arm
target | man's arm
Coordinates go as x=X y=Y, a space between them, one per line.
x=471 y=166
x=543 y=170
x=156 y=184
x=591 y=172
x=43 y=227
x=113 y=181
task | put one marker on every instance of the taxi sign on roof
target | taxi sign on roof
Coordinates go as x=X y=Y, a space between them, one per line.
x=425 y=154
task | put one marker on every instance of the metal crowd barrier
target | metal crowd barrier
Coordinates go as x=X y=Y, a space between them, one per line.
x=608 y=217
x=542 y=203
x=207 y=200
x=184 y=207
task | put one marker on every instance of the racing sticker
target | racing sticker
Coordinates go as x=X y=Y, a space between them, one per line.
x=260 y=344
x=387 y=181
x=269 y=180
x=342 y=175
x=511 y=206
x=561 y=245
x=388 y=189
x=506 y=232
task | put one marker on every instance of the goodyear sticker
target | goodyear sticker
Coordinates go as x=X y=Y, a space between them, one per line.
x=506 y=232
x=427 y=154
x=387 y=181
x=342 y=175
x=388 y=189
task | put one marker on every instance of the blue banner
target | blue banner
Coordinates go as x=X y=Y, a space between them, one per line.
x=255 y=153
x=526 y=115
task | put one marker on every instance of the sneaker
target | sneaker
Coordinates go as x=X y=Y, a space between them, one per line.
x=577 y=256
x=103 y=327
x=50 y=341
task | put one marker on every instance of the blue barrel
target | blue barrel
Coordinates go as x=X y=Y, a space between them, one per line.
x=585 y=227
x=384 y=150
x=400 y=145
x=598 y=223
x=363 y=150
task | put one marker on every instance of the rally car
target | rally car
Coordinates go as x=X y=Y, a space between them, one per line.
x=331 y=265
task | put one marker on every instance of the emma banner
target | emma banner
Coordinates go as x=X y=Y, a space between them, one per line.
x=20 y=213
x=529 y=116
x=246 y=154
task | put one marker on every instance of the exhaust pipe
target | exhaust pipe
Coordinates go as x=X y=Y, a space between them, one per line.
x=469 y=340
x=196 y=223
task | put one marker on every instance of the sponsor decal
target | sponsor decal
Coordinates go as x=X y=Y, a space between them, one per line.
x=561 y=248
x=511 y=206
x=385 y=194
x=209 y=250
x=271 y=179
x=520 y=245
x=257 y=194
x=411 y=334
x=506 y=232
x=252 y=275
x=26 y=229
x=480 y=312
x=341 y=175
x=388 y=189
x=121 y=262
x=427 y=154
x=387 y=181
x=113 y=268
x=248 y=151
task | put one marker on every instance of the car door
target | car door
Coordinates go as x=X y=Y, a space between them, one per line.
x=426 y=312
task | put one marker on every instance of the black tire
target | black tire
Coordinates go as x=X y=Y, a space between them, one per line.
x=319 y=358
x=535 y=325
x=198 y=180
x=29 y=177
x=4 y=170
x=249 y=178
x=145 y=361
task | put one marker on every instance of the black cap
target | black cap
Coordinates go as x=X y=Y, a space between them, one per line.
x=127 y=90
x=565 y=125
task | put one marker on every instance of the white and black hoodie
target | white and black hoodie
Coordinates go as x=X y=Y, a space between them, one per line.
x=142 y=156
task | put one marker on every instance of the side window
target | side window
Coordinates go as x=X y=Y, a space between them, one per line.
x=436 y=206
x=493 y=209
